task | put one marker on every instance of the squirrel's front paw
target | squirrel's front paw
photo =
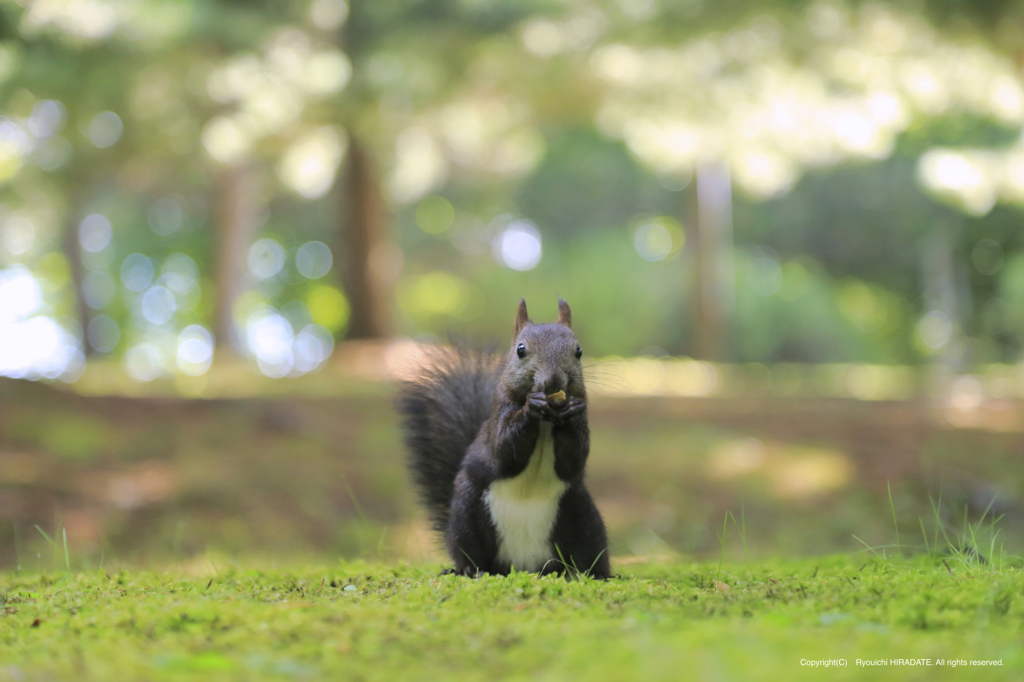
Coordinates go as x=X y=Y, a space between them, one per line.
x=537 y=407
x=574 y=408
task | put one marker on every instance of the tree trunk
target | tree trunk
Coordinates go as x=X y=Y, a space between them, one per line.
x=710 y=236
x=73 y=253
x=368 y=257
x=946 y=291
x=237 y=210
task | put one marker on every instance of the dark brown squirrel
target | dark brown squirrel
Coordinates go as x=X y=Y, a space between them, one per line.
x=498 y=446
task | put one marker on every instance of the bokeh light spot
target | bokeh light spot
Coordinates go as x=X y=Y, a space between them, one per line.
x=652 y=241
x=328 y=15
x=20 y=295
x=311 y=162
x=195 y=350
x=180 y=273
x=95 y=233
x=518 y=246
x=436 y=293
x=935 y=329
x=52 y=153
x=420 y=166
x=225 y=140
x=435 y=215
x=13 y=147
x=313 y=260
x=47 y=118
x=158 y=305
x=18 y=235
x=35 y=348
x=32 y=347
x=269 y=337
x=863 y=306
x=328 y=307
x=312 y=348
x=144 y=362
x=105 y=129
x=266 y=258
x=326 y=72
x=136 y=272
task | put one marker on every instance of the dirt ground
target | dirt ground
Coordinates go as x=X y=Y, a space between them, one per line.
x=161 y=478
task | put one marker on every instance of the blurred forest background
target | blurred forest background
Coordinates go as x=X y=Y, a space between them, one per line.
x=790 y=232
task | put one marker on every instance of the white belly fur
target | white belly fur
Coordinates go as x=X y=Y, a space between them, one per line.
x=524 y=508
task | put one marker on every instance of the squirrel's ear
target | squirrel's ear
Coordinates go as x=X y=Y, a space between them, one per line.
x=522 y=318
x=564 y=314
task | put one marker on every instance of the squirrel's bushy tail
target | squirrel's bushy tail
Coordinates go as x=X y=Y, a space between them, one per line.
x=443 y=408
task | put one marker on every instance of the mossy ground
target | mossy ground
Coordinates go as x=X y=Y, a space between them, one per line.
x=659 y=621
x=165 y=485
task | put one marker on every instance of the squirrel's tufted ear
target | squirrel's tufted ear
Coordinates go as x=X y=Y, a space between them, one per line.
x=564 y=314
x=522 y=318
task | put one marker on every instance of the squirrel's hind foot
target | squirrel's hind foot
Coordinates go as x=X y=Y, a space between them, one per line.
x=468 y=572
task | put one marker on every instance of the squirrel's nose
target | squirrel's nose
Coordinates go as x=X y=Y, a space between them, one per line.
x=551 y=383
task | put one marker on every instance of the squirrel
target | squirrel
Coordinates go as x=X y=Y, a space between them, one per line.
x=497 y=448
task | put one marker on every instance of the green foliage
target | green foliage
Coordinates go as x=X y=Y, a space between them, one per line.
x=844 y=219
x=807 y=316
x=587 y=183
x=955 y=130
x=793 y=311
x=1010 y=316
x=447 y=70
x=621 y=303
x=755 y=621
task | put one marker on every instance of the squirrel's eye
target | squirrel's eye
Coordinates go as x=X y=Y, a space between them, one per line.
x=579 y=352
x=521 y=350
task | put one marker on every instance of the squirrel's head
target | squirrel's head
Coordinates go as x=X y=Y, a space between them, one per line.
x=544 y=357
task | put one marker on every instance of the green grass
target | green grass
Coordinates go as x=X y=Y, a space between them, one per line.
x=663 y=621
